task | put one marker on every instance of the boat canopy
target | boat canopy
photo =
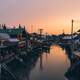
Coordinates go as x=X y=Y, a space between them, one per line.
x=13 y=40
x=4 y=36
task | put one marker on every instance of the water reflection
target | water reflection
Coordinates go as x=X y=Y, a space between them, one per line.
x=51 y=64
x=54 y=65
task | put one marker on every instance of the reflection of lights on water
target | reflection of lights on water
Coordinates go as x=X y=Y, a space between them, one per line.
x=41 y=62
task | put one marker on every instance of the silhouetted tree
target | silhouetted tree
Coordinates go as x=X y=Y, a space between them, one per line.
x=0 y=26
x=19 y=26
x=4 y=26
x=24 y=27
x=14 y=27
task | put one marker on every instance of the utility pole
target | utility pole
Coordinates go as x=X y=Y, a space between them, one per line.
x=63 y=31
x=72 y=25
x=40 y=31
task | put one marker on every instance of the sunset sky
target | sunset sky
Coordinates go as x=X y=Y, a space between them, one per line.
x=53 y=16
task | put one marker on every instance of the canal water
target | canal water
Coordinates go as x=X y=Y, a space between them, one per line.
x=50 y=65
